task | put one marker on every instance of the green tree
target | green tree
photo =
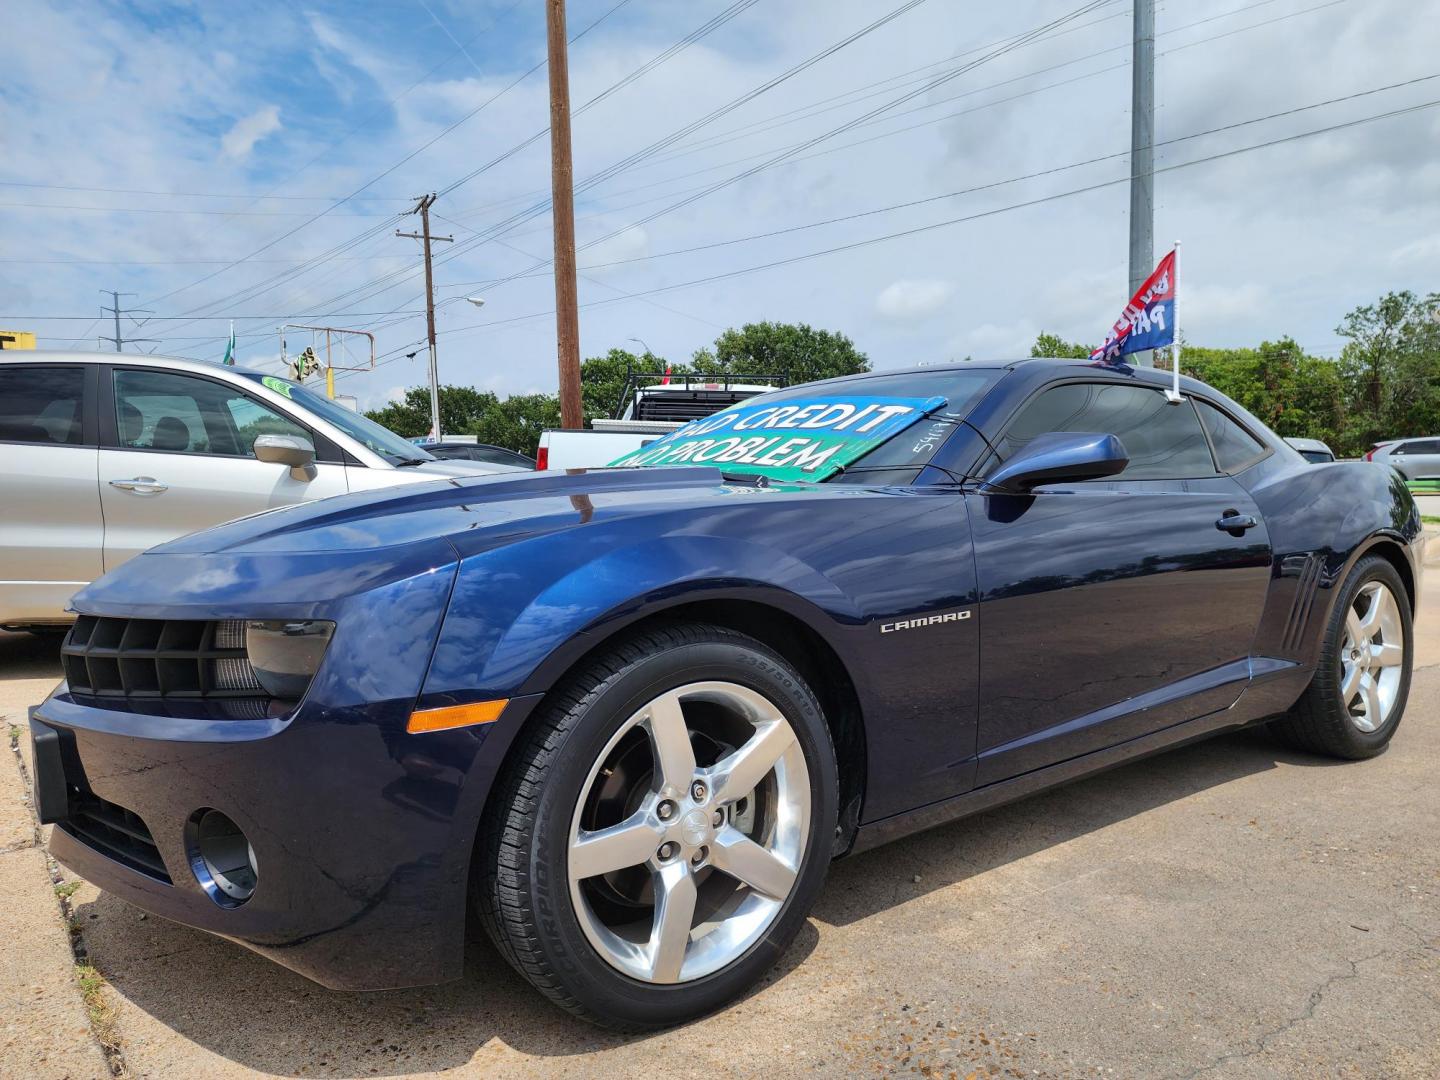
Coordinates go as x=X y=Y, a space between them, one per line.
x=461 y=407
x=602 y=378
x=1053 y=345
x=1295 y=394
x=1390 y=366
x=794 y=351
x=516 y=422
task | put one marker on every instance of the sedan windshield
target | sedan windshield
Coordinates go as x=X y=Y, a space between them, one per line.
x=381 y=440
x=815 y=432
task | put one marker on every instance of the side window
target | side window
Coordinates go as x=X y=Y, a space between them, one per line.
x=1422 y=446
x=182 y=414
x=1235 y=447
x=41 y=404
x=1163 y=441
x=252 y=420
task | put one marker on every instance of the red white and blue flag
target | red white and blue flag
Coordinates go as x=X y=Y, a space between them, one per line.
x=1148 y=321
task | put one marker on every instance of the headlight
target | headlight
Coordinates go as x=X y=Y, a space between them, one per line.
x=286 y=653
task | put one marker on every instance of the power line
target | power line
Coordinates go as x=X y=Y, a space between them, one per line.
x=723 y=110
x=932 y=84
x=192 y=194
x=378 y=285
x=170 y=210
x=938 y=102
x=978 y=215
x=375 y=180
x=393 y=277
x=500 y=228
x=187 y=262
x=211 y=318
x=911 y=203
x=473 y=112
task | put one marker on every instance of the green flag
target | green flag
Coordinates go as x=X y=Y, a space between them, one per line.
x=230 y=347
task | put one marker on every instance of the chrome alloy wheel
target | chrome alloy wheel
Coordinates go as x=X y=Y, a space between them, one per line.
x=1372 y=656
x=689 y=832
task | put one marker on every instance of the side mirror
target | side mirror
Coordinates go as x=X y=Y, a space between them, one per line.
x=287 y=450
x=1065 y=456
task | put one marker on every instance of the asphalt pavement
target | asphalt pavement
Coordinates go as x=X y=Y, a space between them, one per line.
x=1229 y=909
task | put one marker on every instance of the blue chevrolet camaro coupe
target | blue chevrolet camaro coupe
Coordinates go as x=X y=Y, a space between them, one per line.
x=628 y=716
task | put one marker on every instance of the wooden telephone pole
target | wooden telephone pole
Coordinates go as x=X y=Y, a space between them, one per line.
x=562 y=208
x=422 y=207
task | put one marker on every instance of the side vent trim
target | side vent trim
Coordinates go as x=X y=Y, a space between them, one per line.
x=1306 y=587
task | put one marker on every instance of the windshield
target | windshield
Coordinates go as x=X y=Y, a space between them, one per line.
x=817 y=431
x=382 y=440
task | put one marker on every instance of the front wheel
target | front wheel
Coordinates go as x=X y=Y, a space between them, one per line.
x=662 y=830
x=1357 y=697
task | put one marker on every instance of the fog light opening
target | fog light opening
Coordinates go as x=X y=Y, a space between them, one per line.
x=221 y=857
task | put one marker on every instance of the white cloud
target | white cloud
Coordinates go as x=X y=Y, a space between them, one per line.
x=247 y=131
x=1318 y=225
x=913 y=299
x=632 y=243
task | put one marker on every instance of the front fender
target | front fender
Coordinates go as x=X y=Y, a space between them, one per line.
x=503 y=637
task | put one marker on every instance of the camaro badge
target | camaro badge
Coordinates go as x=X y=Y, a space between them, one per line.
x=923 y=621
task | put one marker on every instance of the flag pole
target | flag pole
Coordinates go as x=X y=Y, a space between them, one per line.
x=1174 y=394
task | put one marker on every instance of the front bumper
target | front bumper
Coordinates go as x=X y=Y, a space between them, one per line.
x=362 y=833
x=359 y=839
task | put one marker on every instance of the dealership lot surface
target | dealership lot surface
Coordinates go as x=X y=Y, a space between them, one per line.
x=1227 y=909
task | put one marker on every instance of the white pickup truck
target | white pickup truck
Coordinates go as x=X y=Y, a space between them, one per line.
x=645 y=413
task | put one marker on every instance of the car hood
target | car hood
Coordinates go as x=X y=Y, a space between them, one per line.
x=477 y=513
x=461 y=467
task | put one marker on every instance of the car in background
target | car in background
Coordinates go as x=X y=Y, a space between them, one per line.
x=651 y=406
x=1312 y=450
x=481 y=452
x=104 y=456
x=1416 y=459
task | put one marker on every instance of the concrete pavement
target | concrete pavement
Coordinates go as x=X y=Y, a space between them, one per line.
x=1230 y=909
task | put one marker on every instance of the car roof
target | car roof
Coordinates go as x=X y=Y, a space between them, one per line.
x=170 y=363
x=1039 y=366
x=1306 y=444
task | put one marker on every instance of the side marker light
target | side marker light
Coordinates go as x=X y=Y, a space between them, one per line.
x=456 y=716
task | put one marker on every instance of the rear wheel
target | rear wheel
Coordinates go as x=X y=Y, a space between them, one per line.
x=1356 y=699
x=663 y=830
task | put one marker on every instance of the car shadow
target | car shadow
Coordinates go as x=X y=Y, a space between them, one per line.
x=30 y=656
x=253 y=1012
x=885 y=877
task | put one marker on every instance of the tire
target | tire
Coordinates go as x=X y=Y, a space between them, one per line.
x=1321 y=721
x=587 y=942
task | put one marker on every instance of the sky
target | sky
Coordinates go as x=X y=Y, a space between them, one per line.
x=948 y=183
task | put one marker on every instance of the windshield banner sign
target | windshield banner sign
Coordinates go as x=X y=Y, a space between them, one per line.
x=809 y=439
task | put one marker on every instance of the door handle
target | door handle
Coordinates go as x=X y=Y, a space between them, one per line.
x=141 y=485
x=1235 y=523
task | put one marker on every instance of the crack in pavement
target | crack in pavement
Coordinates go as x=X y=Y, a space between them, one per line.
x=1263 y=1042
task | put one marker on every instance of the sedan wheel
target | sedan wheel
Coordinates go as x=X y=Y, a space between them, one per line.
x=662 y=828
x=1372 y=657
x=1356 y=699
x=688 y=833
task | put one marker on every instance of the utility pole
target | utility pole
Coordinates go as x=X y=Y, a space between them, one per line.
x=116 y=310
x=562 y=209
x=1142 y=154
x=422 y=207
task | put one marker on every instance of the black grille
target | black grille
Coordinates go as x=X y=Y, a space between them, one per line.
x=685 y=405
x=158 y=658
x=114 y=831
